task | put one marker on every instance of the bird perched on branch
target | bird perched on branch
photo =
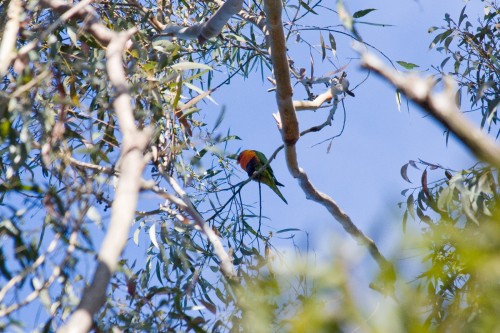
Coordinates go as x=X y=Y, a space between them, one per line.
x=251 y=161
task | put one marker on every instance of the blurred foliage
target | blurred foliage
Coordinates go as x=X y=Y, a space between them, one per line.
x=458 y=215
x=459 y=210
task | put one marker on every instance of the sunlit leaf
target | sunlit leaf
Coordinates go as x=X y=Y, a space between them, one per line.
x=407 y=65
x=187 y=65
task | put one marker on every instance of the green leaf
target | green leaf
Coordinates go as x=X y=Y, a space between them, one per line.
x=287 y=230
x=462 y=16
x=306 y=6
x=361 y=13
x=333 y=44
x=72 y=35
x=404 y=173
x=4 y=128
x=407 y=65
x=410 y=203
x=323 y=50
x=432 y=29
x=405 y=219
x=445 y=198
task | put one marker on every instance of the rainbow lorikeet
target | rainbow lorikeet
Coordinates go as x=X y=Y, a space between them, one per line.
x=253 y=160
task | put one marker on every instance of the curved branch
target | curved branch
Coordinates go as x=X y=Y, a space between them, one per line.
x=314 y=104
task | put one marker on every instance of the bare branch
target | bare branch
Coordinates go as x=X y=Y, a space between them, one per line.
x=441 y=106
x=154 y=21
x=127 y=190
x=8 y=45
x=314 y=104
x=288 y=117
x=284 y=92
x=90 y=166
x=207 y=30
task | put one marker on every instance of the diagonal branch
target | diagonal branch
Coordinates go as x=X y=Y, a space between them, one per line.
x=185 y=203
x=439 y=105
x=290 y=133
x=314 y=104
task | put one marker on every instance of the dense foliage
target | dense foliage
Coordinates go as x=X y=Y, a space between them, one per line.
x=458 y=210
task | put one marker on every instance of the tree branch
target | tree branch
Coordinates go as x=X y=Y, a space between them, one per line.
x=9 y=35
x=441 y=106
x=314 y=104
x=273 y=9
x=130 y=166
x=207 y=30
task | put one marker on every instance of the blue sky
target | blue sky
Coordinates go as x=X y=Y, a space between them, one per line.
x=362 y=171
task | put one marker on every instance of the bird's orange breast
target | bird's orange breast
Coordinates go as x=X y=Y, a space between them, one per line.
x=245 y=157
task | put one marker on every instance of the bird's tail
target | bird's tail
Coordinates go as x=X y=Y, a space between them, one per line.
x=277 y=191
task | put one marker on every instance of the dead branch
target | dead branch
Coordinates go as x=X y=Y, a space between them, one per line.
x=314 y=104
x=441 y=106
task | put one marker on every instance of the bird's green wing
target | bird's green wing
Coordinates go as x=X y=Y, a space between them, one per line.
x=261 y=157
